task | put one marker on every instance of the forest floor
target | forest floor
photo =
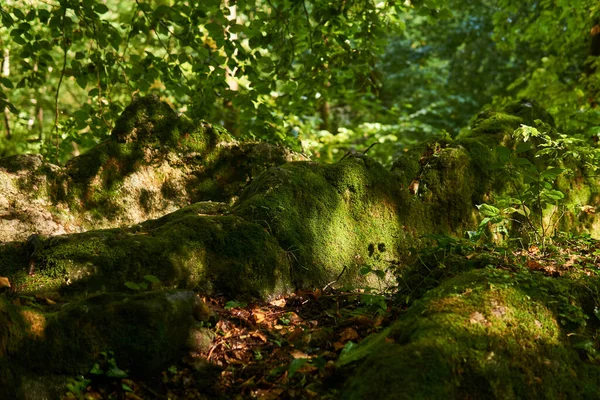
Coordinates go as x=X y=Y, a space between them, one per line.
x=288 y=348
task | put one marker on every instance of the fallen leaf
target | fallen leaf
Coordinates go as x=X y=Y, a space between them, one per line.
x=478 y=318
x=531 y=264
x=413 y=188
x=4 y=282
x=295 y=334
x=259 y=335
x=588 y=209
x=338 y=346
x=278 y=303
x=348 y=334
x=298 y=354
x=258 y=317
x=360 y=320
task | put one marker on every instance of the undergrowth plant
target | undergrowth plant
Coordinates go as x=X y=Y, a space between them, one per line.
x=535 y=201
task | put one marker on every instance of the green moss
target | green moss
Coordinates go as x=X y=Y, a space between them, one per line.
x=144 y=331
x=328 y=216
x=483 y=334
x=184 y=249
x=494 y=123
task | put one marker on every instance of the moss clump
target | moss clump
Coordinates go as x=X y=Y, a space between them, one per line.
x=529 y=111
x=185 y=249
x=329 y=218
x=144 y=117
x=145 y=331
x=502 y=124
x=483 y=334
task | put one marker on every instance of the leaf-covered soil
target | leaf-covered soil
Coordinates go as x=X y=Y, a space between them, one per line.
x=290 y=348
x=283 y=349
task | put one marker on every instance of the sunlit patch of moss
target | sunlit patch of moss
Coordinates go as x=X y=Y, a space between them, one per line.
x=328 y=216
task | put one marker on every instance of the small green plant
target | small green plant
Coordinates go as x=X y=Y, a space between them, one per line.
x=144 y=285
x=235 y=304
x=77 y=386
x=107 y=366
x=534 y=188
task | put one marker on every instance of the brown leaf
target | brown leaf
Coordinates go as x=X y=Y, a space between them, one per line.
x=298 y=354
x=349 y=334
x=278 y=303
x=258 y=317
x=295 y=334
x=588 y=209
x=413 y=188
x=531 y=264
x=4 y=282
x=259 y=335
x=361 y=320
x=478 y=318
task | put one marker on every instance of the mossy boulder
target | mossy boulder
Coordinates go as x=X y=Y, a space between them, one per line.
x=191 y=248
x=154 y=162
x=333 y=220
x=143 y=331
x=484 y=334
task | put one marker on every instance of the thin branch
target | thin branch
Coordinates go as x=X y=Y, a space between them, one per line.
x=168 y=54
x=62 y=74
x=7 y=122
x=309 y=26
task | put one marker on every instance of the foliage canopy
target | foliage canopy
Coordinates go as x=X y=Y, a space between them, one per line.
x=313 y=73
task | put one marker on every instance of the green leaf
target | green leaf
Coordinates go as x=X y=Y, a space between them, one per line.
x=151 y=279
x=116 y=372
x=503 y=154
x=132 y=286
x=523 y=147
x=20 y=40
x=348 y=348
x=43 y=15
x=6 y=82
x=522 y=161
x=100 y=8
x=162 y=11
x=296 y=365
x=235 y=304
x=552 y=173
x=552 y=195
x=96 y=370
x=365 y=270
x=487 y=210
x=18 y=13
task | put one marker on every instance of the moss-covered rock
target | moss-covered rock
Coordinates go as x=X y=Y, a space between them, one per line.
x=143 y=331
x=484 y=334
x=333 y=220
x=154 y=162
x=186 y=249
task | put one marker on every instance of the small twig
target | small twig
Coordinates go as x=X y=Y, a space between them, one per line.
x=369 y=148
x=152 y=392
x=212 y=349
x=336 y=279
